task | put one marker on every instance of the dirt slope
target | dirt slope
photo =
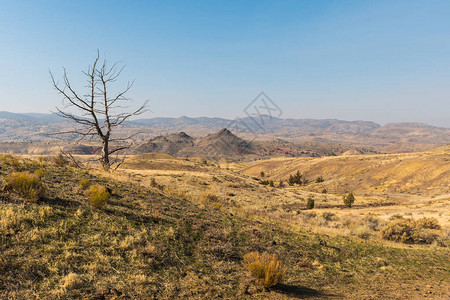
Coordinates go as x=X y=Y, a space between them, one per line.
x=425 y=173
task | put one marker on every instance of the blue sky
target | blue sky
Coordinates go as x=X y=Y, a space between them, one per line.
x=385 y=61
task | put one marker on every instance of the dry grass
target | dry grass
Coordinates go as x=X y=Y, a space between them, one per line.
x=25 y=184
x=149 y=244
x=265 y=267
x=72 y=281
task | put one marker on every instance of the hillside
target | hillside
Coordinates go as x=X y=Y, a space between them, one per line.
x=170 y=144
x=226 y=145
x=147 y=243
x=424 y=173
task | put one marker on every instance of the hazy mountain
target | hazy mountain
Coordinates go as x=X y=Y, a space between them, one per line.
x=395 y=137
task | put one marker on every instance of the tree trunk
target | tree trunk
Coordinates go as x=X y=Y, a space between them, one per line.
x=105 y=155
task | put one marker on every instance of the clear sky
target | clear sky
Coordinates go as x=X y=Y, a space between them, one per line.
x=385 y=61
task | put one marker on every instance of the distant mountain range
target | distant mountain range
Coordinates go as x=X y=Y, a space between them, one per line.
x=394 y=137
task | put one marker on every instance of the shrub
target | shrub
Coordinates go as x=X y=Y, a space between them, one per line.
x=319 y=179
x=324 y=191
x=60 y=160
x=372 y=222
x=153 y=182
x=10 y=160
x=349 y=199
x=410 y=231
x=295 y=179
x=98 y=195
x=262 y=174
x=25 y=184
x=266 y=268
x=271 y=183
x=396 y=216
x=362 y=231
x=84 y=183
x=428 y=223
x=310 y=203
x=329 y=216
x=281 y=184
x=401 y=230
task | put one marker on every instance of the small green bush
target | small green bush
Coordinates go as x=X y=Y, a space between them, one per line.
x=98 y=195
x=295 y=179
x=266 y=268
x=271 y=183
x=310 y=203
x=349 y=199
x=26 y=184
x=324 y=191
x=319 y=179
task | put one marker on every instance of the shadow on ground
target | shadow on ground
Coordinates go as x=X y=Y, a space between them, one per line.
x=300 y=292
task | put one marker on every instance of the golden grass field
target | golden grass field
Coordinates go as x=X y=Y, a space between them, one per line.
x=412 y=185
x=179 y=228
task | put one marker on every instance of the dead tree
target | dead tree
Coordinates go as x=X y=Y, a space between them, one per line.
x=96 y=111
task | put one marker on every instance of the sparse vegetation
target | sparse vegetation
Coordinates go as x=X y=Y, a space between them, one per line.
x=266 y=268
x=319 y=179
x=25 y=184
x=148 y=243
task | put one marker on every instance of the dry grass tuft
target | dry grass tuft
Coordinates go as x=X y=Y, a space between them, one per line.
x=265 y=267
x=26 y=184
x=71 y=281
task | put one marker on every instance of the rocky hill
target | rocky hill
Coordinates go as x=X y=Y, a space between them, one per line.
x=222 y=144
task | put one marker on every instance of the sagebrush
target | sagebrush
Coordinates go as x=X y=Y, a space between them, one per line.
x=265 y=267
x=25 y=184
x=98 y=195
